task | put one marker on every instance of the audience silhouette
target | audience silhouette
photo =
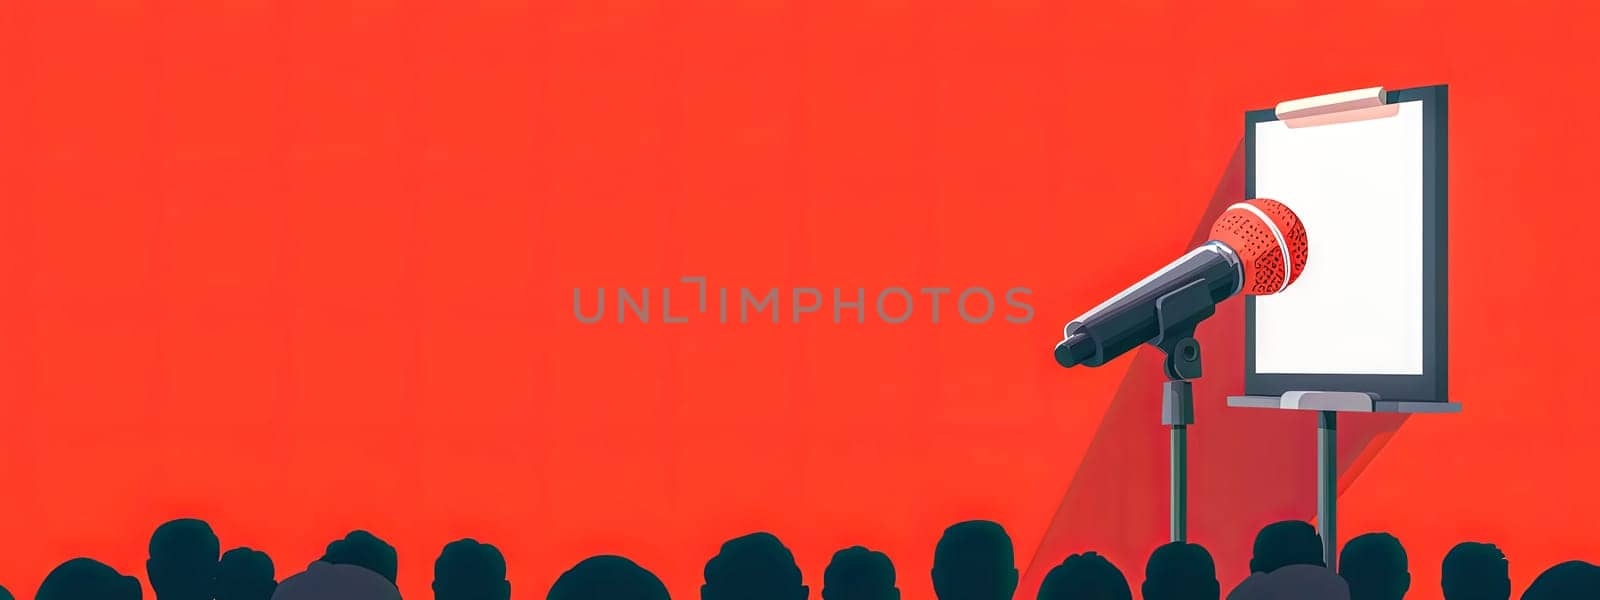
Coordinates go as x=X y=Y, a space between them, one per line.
x=610 y=578
x=1179 y=571
x=753 y=567
x=363 y=549
x=86 y=579
x=328 y=581
x=1087 y=576
x=1286 y=543
x=856 y=573
x=1571 y=580
x=974 y=561
x=245 y=574
x=1474 y=571
x=1374 y=565
x=183 y=560
x=468 y=570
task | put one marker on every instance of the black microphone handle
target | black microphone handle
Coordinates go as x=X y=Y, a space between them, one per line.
x=1075 y=349
x=1129 y=318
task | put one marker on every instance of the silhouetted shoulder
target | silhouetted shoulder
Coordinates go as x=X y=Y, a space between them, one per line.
x=1293 y=582
x=326 y=581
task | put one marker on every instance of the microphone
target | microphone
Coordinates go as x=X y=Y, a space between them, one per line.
x=1257 y=247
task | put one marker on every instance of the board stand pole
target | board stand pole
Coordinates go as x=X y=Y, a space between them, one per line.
x=1327 y=485
x=1328 y=405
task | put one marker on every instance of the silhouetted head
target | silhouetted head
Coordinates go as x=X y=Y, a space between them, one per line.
x=857 y=573
x=468 y=570
x=607 y=578
x=183 y=560
x=1179 y=571
x=1374 y=565
x=753 y=567
x=327 y=581
x=245 y=574
x=1293 y=582
x=363 y=549
x=86 y=579
x=974 y=561
x=1086 y=576
x=1474 y=571
x=1571 y=580
x=1286 y=543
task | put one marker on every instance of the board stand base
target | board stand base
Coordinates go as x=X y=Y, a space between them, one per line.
x=1328 y=405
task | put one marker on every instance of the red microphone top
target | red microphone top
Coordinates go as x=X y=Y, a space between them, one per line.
x=1269 y=240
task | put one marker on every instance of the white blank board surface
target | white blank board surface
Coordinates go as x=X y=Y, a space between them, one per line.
x=1357 y=187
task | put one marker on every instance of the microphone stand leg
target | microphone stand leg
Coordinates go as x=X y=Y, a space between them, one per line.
x=1180 y=487
x=1177 y=413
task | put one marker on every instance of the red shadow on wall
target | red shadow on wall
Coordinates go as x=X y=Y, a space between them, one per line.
x=1247 y=467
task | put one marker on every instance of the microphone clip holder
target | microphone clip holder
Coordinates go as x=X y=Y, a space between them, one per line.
x=1177 y=314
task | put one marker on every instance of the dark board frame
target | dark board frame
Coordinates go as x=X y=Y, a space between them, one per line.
x=1432 y=384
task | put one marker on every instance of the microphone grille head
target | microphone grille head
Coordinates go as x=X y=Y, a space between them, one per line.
x=1270 y=241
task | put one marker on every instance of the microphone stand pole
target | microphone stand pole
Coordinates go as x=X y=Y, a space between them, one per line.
x=1178 y=312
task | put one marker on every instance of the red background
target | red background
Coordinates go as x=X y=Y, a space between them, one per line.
x=304 y=267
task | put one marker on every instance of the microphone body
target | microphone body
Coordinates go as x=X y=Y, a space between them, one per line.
x=1257 y=247
x=1129 y=318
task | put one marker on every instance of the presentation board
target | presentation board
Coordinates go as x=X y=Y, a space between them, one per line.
x=1369 y=312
